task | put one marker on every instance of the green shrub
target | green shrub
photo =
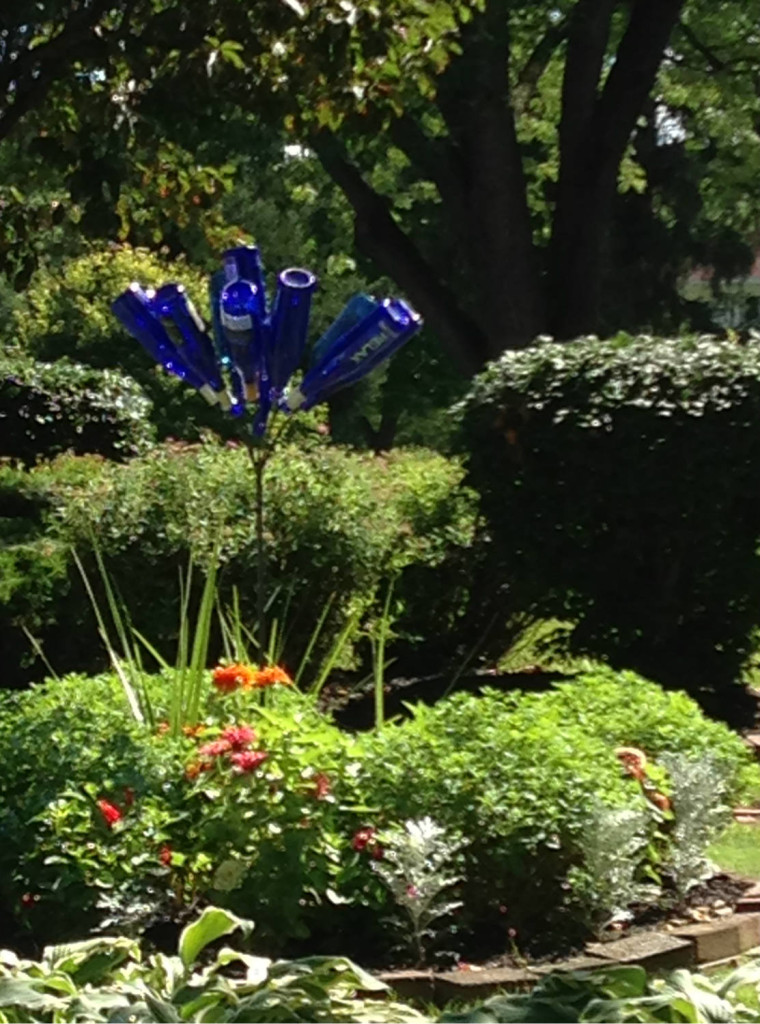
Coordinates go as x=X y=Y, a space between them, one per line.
x=47 y=409
x=337 y=525
x=272 y=842
x=65 y=312
x=618 y=479
x=521 y=775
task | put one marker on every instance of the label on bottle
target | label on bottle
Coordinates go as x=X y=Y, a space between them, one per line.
x=237 y=323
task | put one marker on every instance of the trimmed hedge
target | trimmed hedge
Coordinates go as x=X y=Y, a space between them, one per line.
x=338 y=526
x=66 y=311
x=619 y=481
x=47 y=409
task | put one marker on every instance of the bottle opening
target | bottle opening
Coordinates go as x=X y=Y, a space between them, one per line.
x=295 y=277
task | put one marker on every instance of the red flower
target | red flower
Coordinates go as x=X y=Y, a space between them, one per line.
x=228 y=678
x=111 y=813
x=271 y=676
x=376 y=851
x=215 y=749
x=362 y=838
x=165 y=855
x=238 y=736
x=129 y=796
x=248 y=760
x=322 y=786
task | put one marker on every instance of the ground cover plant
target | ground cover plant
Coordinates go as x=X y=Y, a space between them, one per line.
x=265 y=807
x=107 y=979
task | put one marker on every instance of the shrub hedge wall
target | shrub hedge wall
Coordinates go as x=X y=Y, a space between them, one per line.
x=619 y=482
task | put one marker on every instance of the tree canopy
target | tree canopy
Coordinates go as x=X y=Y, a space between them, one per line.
x=516 y=167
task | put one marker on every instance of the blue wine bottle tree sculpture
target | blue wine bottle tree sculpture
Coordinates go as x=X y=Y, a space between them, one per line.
x=255 y=347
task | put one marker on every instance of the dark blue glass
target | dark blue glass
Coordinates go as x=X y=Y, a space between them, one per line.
x=290 y=324
x=215 y=286
x=357 y=352
x=243 y=263
x=239 y=315
x=133 y=309
x=186 y=329
x=355 y=310
x=264 y=407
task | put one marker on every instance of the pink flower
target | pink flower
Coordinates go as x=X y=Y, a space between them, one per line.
x=412 y=892
x=362 y=838
x=248 y=760
x=238 y=736
x=215 y=749
x=322 y=786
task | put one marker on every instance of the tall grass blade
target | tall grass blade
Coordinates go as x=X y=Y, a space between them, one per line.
x=37 y=648
x=313 y=639
x=129 y=689
x=334 y=653
x=378 y=659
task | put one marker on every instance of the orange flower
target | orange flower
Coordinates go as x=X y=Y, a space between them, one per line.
x=165 y=855
x=162 y=728
x=228 y=678
x=270 y=676
x=194 y=769
x=633 y=760
x=193 y=730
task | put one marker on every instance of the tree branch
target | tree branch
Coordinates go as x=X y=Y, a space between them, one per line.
x=534 y=67
x=588 y=37
x=716 y=64
x=379 y=237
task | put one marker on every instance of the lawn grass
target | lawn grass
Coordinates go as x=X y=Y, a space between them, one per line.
x=738 y=849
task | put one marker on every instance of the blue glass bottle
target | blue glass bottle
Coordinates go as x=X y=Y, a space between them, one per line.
x=186 y=329
x=355 y=310
x=243 y=263
x=357 y=352
x=216 y=284
x=290 y=325
x=239 y=315
x=133 y=309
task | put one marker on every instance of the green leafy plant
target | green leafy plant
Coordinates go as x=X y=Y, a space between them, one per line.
x=612 y=844
x=418 y=868
x=700 y=789
x=625 y=994
x=107 y=979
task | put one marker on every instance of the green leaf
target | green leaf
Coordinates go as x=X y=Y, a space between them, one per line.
x=211 y=925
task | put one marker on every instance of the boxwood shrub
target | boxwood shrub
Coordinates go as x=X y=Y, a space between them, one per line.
x=619 y=482
x=339 y=525
x=49 y=408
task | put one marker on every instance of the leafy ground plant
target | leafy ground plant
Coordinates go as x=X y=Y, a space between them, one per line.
x=625 y=994
x=106 y=979
x=418 y=868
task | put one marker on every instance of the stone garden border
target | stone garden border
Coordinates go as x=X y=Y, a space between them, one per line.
x=688 y=946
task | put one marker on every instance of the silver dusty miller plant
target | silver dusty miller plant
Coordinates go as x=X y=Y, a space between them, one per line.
x=417 y=868
x=699 y=791
x=612 y=841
